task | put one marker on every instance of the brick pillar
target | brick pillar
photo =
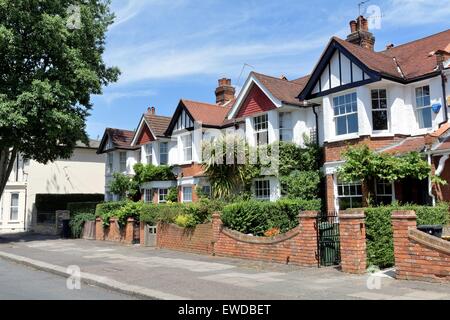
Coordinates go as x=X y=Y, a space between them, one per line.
x=113 y=234
x=352 y=229
x=402 y=221
x=129 y=231
x=307 y=244
x=329 y=192
x=99 y=232
x=217 y=227
x=142 y=233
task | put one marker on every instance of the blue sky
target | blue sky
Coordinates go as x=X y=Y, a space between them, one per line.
x=172 y=49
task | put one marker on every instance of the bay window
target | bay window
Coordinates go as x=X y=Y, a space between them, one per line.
x=149 y=153
x=162 y=195
x=123 y=161
x=163 y=153
x=285 y=121
x=110 y=163
x=379 y=110
x=346 y=114
x=423 y=107
x=261 y=126
x=187 y=147
x=383 y=192
x=187 y=194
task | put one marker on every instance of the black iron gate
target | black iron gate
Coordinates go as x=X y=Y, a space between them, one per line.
x=328 y=240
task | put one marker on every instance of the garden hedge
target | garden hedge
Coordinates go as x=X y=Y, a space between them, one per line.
x=379 y=235
x=257 y=217
x=77 y=208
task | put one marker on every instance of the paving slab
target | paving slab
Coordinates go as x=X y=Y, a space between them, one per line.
x=164 y=274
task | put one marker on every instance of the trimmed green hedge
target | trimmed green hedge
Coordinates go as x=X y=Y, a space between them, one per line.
x=257 y=217
x=380 y=244
x=47 y=203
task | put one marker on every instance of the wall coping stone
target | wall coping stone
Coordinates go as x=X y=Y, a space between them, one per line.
x=430 y=241
x=238 y=236
x=352 y=214
x=404 y=215
x=308 y=214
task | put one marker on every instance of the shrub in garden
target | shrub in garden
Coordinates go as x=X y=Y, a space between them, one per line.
x=379 y=234
x=257 y=217
x=77 y=223
x=77 y=208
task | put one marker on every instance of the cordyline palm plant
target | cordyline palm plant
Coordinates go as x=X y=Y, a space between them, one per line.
x=226 y=164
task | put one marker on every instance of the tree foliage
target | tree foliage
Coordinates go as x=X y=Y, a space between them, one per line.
x=363 y=164
x=121 y=184
x=48 y=72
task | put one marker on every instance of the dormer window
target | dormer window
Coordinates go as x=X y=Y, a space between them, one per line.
x=261 y=125
x=346 y=114
x=423 y=106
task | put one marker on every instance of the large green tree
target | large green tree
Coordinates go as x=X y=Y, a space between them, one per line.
x=50 y=64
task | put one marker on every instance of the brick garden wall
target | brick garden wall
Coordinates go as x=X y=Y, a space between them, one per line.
x=418 y=256
x=198 y=240
x=114 y=233
x=298 y=246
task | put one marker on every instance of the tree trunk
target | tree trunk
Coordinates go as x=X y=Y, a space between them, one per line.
x=7 y=159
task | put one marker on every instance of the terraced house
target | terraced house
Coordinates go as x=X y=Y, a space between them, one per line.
x=394 y=101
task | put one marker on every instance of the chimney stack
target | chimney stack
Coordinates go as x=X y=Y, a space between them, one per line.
x=151 y=110
x=360 y=34
x=225 y=92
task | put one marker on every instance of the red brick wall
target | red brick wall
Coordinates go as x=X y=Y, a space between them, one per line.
x=255 y=102
x=198 y=240
x=329 y=192
x=113 y=233
x=418 y=256
x=298 y=246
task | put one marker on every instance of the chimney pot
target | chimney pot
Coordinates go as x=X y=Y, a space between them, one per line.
x=389 y=46
x=353 y=26
x=360 y=34
x=151 y=110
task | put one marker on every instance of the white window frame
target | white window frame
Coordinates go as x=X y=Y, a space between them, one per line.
x=285 y=125
x=11 y=207
x=420 y=107
x=123 y=161
x=165 y=194
x=379 y=100
x=345 y=113
x=183 y=198
x=166 y=153
x=258 y=187
x=347 y=184
x=148 y=196
x=110 y=159
x=149 y=153
x=186 y=142
x=261 y=126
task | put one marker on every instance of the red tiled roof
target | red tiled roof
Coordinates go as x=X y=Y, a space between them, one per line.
x=444 y=145
x=121 y=138
x=414 y=59
x=284 y=90
x=208 y=114
x=409 y=144
x=158 y=124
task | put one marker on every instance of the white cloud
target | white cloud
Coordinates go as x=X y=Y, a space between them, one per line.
x=111 y=96
x=407 y=13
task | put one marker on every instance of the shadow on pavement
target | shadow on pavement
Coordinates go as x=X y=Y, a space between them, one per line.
x=25 y=237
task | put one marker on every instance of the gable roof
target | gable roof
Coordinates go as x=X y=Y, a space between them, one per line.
x=121 y=139
x=157 y=124
x=210 y=115
x=405 y=63
x=284 y=90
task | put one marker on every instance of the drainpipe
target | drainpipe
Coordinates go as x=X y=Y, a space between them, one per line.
x=444 y=93
x=430 y=183
x=317 y=123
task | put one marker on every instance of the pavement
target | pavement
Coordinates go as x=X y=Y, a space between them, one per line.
x=18 y=282
x=162 y=274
